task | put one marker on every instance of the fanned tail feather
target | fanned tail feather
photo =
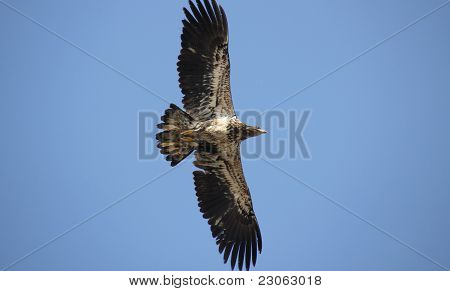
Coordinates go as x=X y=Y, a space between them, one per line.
x=176 y=140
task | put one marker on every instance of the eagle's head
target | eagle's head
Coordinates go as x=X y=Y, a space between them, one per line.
x=251 y=131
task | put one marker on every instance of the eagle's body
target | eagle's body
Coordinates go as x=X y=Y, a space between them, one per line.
x=221 y=130
x=217 y=129
x=209 y=127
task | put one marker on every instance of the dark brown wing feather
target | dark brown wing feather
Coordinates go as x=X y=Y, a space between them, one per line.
x=204 y=66
x=224 y=199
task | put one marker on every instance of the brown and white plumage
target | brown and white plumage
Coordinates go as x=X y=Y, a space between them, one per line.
x=204 y=64
x=224 y=199
x=209 y=126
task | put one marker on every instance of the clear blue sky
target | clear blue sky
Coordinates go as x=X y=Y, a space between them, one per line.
x=379 y=135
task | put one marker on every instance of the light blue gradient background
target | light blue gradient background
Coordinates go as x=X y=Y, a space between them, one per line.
x=379 y=135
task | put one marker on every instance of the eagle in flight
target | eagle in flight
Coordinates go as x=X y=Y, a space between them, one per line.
x=209 y=127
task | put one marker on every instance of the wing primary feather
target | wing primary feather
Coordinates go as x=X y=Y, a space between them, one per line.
x=197 y=14
x=227 y=252
x=258 y=233
x=234 y=255
x=224 y=21
x=241 y=254
x=222 y=246
x=248 y=248
x=190 y=17
x=254 y=250
x=203 y=12
x=234 y=234
x=211 y=13
x=217 y=12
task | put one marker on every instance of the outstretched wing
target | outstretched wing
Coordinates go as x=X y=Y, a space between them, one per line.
x=204 y=66
x=224 y=199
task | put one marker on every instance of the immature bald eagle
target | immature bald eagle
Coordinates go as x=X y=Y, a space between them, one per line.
x=210 y=127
